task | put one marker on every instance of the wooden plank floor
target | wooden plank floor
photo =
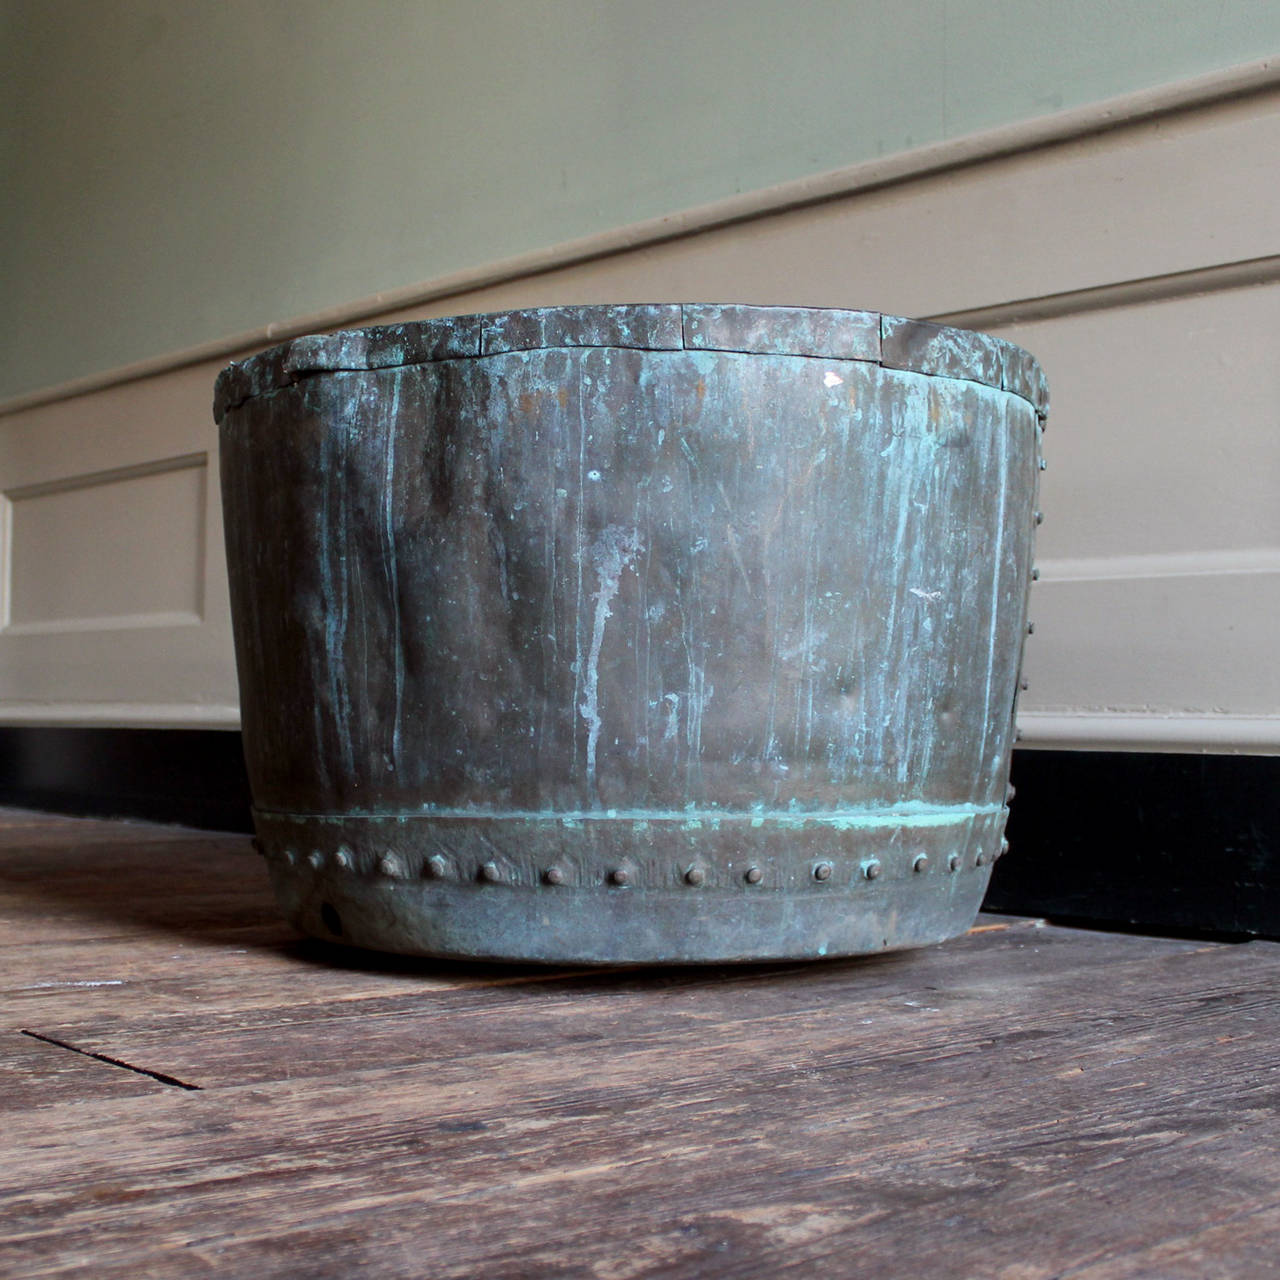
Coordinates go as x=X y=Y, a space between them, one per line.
x=186 y=1089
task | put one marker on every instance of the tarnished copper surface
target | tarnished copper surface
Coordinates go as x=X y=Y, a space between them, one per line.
x=632 y=633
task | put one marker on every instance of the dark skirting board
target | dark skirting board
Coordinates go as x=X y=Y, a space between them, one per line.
x=195 y=777
x=1159 y=841
x=1155 y=841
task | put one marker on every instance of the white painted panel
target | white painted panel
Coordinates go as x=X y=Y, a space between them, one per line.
x=1160 y=552
x=120 y=549
x=118 y=601
x=1195 y=644
x=1164 y=431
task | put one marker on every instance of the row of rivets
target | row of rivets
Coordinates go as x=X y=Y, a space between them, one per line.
x=436 y=867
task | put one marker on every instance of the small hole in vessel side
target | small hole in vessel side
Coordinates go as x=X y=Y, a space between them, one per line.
x=332 y=920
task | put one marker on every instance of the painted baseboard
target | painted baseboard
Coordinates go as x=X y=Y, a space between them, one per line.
x=1141 y=731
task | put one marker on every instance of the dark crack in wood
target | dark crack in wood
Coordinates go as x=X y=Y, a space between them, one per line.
x=114 y=1062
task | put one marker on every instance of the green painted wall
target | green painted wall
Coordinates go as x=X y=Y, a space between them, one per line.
x=179 y=171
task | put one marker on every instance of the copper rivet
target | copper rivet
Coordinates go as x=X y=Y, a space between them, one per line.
x=1044 y=466
x=754 y=875
x=1039 y=517
x=316 y=859
x=980 y=860
x=953 y=862
x=1004 y=847
x=1009 y=792
x=1024 y=685
x=695 y=876
x=343 y=859
x=289 y=857
x=1035 y=575
x=553 y=875
x=389 y=865
x=619 y=876
x=871 y=870
x=491 y=872
x=437 y=867
x=920 y=863
x=822 y=871
x=1031 y=628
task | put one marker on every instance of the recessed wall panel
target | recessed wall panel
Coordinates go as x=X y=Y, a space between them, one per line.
x=114 y=549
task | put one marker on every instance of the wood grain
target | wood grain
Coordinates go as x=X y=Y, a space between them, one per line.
x=1024 y=1103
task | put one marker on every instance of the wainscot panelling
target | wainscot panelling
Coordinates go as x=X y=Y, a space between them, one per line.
x=1140 y=263
x=115 y=596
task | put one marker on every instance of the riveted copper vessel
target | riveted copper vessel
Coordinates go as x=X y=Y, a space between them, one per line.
x=631 y=633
